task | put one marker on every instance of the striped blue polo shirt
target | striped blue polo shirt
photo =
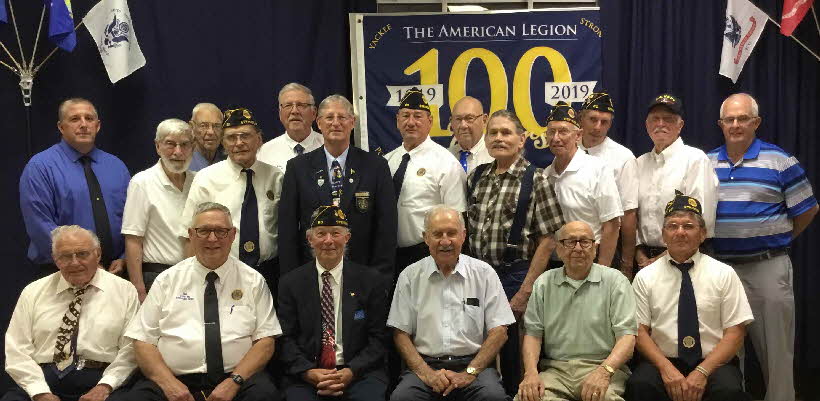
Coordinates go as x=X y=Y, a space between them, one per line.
x=757 y=199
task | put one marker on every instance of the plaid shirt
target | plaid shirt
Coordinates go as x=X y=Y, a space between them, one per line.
x=491 y=210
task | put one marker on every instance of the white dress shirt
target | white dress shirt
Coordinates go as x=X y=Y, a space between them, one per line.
x=616 y=157
x=336 y=287
x=109 y=304
x=478 y=154
x=279 y=150
x=433 y=177
x=680 y=167
x=586 y=192
x=172 y=316
x=719 y=294
x=449 y=315
x=224 y=183
x=152 y=211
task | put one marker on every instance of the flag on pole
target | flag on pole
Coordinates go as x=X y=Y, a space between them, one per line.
x=109 y=23
x=744 y=24
x=61 y=24
x=793 y=13
x=4 y=17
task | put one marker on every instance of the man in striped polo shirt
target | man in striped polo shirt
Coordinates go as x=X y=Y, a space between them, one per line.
x=764 y=202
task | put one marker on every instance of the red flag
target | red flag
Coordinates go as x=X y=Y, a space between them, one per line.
x=793 y=13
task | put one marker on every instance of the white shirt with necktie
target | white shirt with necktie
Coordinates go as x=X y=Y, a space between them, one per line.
x=336 y=287
x=478 y=154
x=279 y=150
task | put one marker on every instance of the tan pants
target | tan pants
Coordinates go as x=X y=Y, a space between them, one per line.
x=562 y=380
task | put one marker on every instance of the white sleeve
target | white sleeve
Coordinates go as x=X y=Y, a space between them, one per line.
x=20 y=365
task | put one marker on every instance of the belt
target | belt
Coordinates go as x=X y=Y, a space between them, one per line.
x=768 y=254
x=86 y=364
x=149 y=267
x=652 y=251
x=445 y=358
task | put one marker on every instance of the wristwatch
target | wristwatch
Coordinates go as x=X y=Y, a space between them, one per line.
x=608 y=369
x=472 y=371
x=238 y=379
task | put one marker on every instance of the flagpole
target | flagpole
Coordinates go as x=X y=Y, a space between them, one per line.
x=34 y=71
x=816 y=23
x=17 y=34
x=37 y=38
x=795 y=38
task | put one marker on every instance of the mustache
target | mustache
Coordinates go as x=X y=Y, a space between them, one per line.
x=446 y=248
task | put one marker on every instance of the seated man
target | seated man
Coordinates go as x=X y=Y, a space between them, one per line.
x=206 y=329
x=333 y=320
x=584 y=315
x=450 y=317
x=64 y=340
x=692 y=316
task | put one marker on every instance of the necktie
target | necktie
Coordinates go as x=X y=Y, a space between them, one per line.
x=688 y=335
x=462 y=157
x=67 y=333
x=299 y=149
x=336 y=181
x=101 y=224
x=213 y=339
x=249 y=224
x=327 y=359
x=398 y=178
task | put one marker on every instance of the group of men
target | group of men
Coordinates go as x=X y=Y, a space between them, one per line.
x=459 y=239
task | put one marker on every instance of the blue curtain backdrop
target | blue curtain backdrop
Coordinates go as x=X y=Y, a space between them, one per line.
x=241 y=53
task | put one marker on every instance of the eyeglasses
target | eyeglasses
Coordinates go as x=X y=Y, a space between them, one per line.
x=231 y=139
x=220 y=233
x=299 y=106
x=342 y=118
x=561 y=131
x=173 y=145
x=205 y=126
x=570 y=243
x=68 y=257
x=469 y=119
x=676 y=226
x=741 y=120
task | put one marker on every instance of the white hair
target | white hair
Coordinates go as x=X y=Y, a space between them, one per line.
x=209 y=206
x=206 y=106
x=338 y=99
x=59 y=232
x=438 y=209
x=295 y=86
x=173 y=126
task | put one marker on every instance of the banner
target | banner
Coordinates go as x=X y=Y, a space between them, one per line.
x=744 y=24
x=61 y=24
x=793 y=13
x=524 y=61
x=109 y=23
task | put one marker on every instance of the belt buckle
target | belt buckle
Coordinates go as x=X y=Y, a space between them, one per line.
x=80 y=364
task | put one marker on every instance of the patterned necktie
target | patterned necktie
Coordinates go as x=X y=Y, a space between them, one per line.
x=462 y=157
x=327 y=359
x=299 y=149
x=102 y=226
x=249 y=224
x=398 y=178
x=67 y=333
x=688 y=333
x=336 y=181
x=213 y=337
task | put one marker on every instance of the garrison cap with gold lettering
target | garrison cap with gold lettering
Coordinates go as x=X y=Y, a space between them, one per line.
x=671 y=102
x=414 y=100
x=683 y=203
x=599 y=101
x=328 y=216
x=237 y=117
x=563 y=112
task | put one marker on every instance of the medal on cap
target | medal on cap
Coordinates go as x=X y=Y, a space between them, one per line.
x=236 y=294
x=688 y=341
x=249 y=246
x=421 y=172
x=320 y=182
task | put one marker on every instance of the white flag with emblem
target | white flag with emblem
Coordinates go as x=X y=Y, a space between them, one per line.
x=744 y=24
x=109 y=23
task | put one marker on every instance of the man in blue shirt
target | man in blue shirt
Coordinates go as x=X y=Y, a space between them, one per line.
x=764 y=202
x=206 y=121
x=74 y=182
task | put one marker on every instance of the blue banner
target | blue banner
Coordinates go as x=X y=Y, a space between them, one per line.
x=523 y=61
x=61 y=24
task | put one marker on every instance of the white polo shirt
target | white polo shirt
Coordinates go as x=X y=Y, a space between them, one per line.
x=616 y=157
x=279 y=150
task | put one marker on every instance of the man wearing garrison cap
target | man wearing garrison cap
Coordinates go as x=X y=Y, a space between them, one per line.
x=334 y=313
x=249 y=188
x=583 y=183
x=596 y=116
x=424 y=174
x=692 y=316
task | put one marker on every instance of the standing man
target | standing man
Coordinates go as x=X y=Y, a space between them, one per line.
x=356 y=181
x=583 y=183
x=597 y=114
x=424 y=174
x=754 y=228
x=250 y=189
x=74 y=182
x=692 y=316
x=206 y=120
x=341 y=354
x=450 y=317
x=468 y=122
x=297 y=112
x=208 y=325
x=151 y=219
x=668 y=167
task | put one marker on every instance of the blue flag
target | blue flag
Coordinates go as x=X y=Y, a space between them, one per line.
x=61 y=24
x=4 y=17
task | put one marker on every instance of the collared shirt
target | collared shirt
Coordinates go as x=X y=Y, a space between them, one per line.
x=342 y=159
x=680 y=167
x=54 y=192
x=279 y=150
x=449 y=315
x=617 y=157
x=172 y=316
x=225 y=183
x=758 y=198
x=433 y=177
x=478 y=154
x=336 y=287
x=492 y=206
x=109 y=304
x=198 y=161
x=719 y=294
x=586 y=192
x=601 y=307
x=152 y=211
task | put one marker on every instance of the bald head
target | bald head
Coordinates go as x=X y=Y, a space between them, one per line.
x=580 y=253
x=575 y=227
x=468 y=121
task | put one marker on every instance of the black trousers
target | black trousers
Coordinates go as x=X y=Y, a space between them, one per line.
x=70 y=388
x=258 y=387
x=368 y=388
x=723 y=384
